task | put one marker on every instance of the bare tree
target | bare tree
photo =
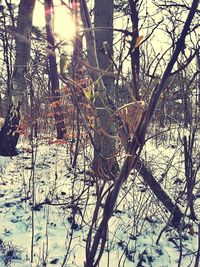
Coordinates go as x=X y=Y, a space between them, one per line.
x=93 y=255
x=135 y=55
x=53 y=72
x=103 y=23
x=9 y=132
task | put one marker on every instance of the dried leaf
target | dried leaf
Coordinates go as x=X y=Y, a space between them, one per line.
x=88 y=92
x=138 y=41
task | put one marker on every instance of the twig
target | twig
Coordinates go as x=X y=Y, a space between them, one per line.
x=198 y=251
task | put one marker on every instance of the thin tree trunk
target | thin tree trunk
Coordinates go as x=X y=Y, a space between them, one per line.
x=53 y=72
x=159 y=192
x=7 y=53
x=135 y=55
x=77 y=73
x=188 y=144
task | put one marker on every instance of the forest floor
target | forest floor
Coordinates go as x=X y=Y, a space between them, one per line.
x=46 y=208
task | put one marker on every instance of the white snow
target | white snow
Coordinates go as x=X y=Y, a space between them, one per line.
x=133 y=228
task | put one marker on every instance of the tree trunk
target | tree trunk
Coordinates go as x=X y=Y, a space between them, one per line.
x=7 y=49
x=188 y=143
x=53 y=72
x=103 y=17
x=135 y=55
x=9 y=133
x=162 y=196
x=77 y=73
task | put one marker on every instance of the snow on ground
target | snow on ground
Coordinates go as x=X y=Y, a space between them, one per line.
x=57 y=218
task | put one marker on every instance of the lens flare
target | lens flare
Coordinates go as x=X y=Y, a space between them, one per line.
x=64 y=25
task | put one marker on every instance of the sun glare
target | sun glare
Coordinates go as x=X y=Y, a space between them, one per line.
x=64 y=25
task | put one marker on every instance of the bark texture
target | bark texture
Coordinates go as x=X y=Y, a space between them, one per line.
x=103 y=149
x=103 y=23
x=9 y=133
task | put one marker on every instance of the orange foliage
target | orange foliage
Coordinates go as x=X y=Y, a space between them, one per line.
x=57 y=141
x=23 y=129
